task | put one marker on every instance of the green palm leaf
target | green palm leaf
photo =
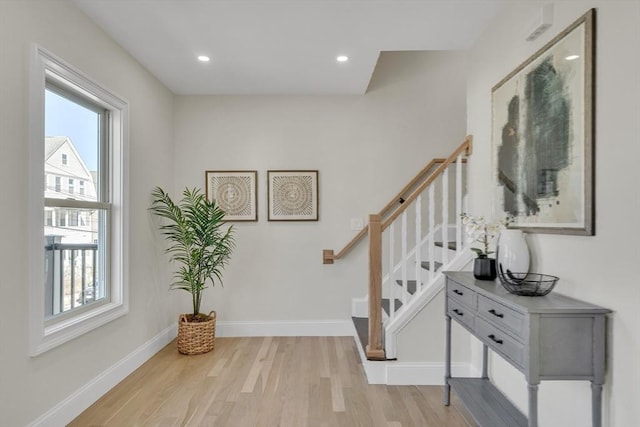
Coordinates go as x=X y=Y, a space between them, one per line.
x=198 y=240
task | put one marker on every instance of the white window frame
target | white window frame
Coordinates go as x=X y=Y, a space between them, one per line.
x=46 y=334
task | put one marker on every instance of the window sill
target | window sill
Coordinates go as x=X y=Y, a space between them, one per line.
x=58 y=333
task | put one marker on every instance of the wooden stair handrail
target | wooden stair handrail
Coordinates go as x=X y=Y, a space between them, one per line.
x=328 y=255
x=407 y=187
x=466 y=146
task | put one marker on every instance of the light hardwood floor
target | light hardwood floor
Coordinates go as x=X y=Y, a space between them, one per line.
x=272 y=381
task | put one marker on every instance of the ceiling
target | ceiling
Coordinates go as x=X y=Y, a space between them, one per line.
x=282 y=46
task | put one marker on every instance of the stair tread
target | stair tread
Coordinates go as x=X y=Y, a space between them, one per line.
x=412 y=285
x=451 y=245
x=362 y=329
x=385 y=304
x=427 y=265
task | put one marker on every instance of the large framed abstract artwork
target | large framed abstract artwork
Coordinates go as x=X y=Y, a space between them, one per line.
x=235 y=192
x=292 y=195
x=543 y=136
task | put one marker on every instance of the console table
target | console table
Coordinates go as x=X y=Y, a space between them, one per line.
x=553 y=337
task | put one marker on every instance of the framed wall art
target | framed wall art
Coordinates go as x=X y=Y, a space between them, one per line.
x=235 y=192
x=292 y=195
x=543 y=136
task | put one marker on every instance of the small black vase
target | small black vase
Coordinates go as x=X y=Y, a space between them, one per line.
x=484 y=268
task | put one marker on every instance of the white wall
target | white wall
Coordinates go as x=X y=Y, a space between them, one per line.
x=31 y=386
x=597 y=269
x=365 y=148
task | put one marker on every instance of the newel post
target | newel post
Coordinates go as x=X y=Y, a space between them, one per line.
x=374 y=349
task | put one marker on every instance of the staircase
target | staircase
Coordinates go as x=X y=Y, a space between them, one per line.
x=412 y=240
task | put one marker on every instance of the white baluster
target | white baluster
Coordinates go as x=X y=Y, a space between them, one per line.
x=458 y=221
x=445 y=217
x=404 y=258
x=392 y=283
x=432 y=224
x=418 y=203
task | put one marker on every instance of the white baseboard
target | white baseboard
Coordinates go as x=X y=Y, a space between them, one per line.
x=65 y=411
x=393 y=372
x=411 y=373
x=360 y=306
x=415 y=373
x=304 y=328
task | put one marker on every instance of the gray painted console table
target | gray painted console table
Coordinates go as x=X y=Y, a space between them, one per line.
x=546 y=338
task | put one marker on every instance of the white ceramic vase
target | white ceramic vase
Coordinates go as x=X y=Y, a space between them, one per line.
x=512 y=252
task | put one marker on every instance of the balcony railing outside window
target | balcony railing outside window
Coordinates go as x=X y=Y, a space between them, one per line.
x=72 y=276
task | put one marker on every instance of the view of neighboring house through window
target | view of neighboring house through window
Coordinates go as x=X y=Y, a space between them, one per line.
x=75 y=243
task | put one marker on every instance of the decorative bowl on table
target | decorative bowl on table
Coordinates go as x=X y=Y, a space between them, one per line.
x=527 y=284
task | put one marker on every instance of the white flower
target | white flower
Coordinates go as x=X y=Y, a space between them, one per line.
x=479 y=231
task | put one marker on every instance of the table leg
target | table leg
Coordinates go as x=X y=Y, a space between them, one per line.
x=596 y=404
x=485 y=363
x=447 y=360
x=533 y=405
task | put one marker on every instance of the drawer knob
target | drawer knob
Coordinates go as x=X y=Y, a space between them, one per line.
x=494 y=339
x=495 y=313
x=458 y=312
x=457 y=292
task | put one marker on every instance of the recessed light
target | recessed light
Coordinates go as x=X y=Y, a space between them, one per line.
x=572 y=57
x=342 y=58
x=204 y=58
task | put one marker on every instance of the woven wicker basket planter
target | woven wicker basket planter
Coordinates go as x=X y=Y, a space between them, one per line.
x=196 y=337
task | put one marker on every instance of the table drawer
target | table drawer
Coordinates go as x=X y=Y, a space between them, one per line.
x=500 y=341
x=461 y=294
x=502 y=316
x=461 y=313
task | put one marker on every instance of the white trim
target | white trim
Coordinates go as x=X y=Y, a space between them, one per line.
x=304 y=328
x=411 y=373
x=420 y=299
x=360 y=306
x=392 y=372
x=45 y=335
x=69 y=408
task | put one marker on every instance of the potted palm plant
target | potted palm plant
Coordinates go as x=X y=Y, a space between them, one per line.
x=202 y=245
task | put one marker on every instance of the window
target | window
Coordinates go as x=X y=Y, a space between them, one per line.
x=84 y=253
x=73 y=222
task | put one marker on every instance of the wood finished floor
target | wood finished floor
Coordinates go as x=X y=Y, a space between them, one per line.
x=272 y=381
